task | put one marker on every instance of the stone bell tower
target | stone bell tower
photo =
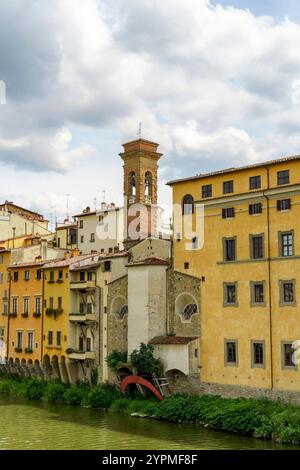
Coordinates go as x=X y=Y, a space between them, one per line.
x=140 y=159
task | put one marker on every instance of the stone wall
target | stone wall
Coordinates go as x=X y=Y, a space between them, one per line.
x=235 y=391
x=178 y=284
x=117 y=330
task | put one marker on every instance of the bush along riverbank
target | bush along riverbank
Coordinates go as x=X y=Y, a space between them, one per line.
x=258 y=418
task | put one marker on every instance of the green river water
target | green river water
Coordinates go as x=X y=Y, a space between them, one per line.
x=30 y=425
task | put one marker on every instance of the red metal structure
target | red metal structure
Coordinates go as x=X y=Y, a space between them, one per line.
x=137 y=380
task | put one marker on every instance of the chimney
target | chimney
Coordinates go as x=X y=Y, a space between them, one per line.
x=43 y=249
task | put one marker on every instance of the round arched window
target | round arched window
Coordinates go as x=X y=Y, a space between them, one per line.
x=123 y=311
x=189 y=310
x=188 y=205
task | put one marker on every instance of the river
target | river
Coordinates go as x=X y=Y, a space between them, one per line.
x=41 y=426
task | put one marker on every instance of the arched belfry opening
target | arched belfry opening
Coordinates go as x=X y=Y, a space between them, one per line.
x=148 y=187
x=140 y=159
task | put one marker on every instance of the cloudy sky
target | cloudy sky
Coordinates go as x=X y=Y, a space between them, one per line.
x=216 y=83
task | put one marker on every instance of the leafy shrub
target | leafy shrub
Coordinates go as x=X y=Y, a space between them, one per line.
x=73 y=395
x=143 y=360
x=115 y=358
x=5 y=387
x=35 y=389
x=55 y=392
x=101 y=397
x=121 y=404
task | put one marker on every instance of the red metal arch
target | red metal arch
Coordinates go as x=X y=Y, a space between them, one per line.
x=136 y=379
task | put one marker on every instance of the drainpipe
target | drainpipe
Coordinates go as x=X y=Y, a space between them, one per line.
x=269 y=279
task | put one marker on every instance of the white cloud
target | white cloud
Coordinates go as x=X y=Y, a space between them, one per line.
x=215 y=86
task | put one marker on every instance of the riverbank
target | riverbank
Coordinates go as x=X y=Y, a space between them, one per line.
x=263 y=419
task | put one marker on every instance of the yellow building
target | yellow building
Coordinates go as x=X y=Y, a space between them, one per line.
x=4 y=301
x=25 y=313
x=249 y=265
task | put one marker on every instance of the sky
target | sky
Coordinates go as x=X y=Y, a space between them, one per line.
x=215 y=83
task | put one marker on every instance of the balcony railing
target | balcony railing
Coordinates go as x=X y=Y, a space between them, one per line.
x=82 y=317
x=83 y=284
x=78 y=355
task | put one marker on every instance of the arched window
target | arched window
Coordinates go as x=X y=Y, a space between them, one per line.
x=132 y=187
x=123 y=311
x=189 y=310
x=188 y=205
x=148 y=187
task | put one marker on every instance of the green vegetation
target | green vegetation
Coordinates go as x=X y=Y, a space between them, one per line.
x=144 y=362
x=263 y=419
x=115 y=359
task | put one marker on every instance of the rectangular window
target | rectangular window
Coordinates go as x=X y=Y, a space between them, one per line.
x=88 y=344
x=30 y=340
x=51 y=303
x=286 y=244
x=82 y=276
x=255 y=182
x=5 y=308
x=1 y=337
x=92 y=240
x=51 y=276
x=283 y=177
x=81 y=307
x=58 y=243
x=283 y=204
x=20 y=339
x=15 y=305
x=89 y=276
x=107 y=266
x=195 y=243
x=257 y=293
x=81 y=224
x=50 y=338
x=227 y=187
x=26 y=275
x=230 y=249
x=228 y=213
x=287 y=293
x=287 y=355
x=230 y=294
x=73 y=236
x=59 y=303
x=39 y=274
x=186 y=265
x=101 y=219
x=38 y=305
x=60 y=275
x=58 y=338
x=82 y=239
x=1 y=278
x=258 y=354
x=231 y=352
x=26 y=305
x=255 y=208
x=206 y=191
x=257 y=246
x=16 y=276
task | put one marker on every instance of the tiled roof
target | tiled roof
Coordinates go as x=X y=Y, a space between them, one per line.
x=28 y=264
x=232 y=170
x=153 y=261
x=172 y=339
x=65 y=262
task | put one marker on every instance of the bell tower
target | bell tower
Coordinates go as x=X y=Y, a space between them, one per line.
x=140 y=159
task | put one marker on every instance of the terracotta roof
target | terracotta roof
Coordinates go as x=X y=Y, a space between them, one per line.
x=99 y=212
x=60 y=263
x=172 y=339
x=232 y=170
x=61 y=227
x=28 y=264
x=153 y=261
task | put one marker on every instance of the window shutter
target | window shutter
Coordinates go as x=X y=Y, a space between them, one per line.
x=278 y=205
x=224 y=213
x=251 y=209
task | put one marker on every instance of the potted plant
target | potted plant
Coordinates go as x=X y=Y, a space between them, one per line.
x=18 y=350
x=25 y=315
x=37 y=314
x=28 y=350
